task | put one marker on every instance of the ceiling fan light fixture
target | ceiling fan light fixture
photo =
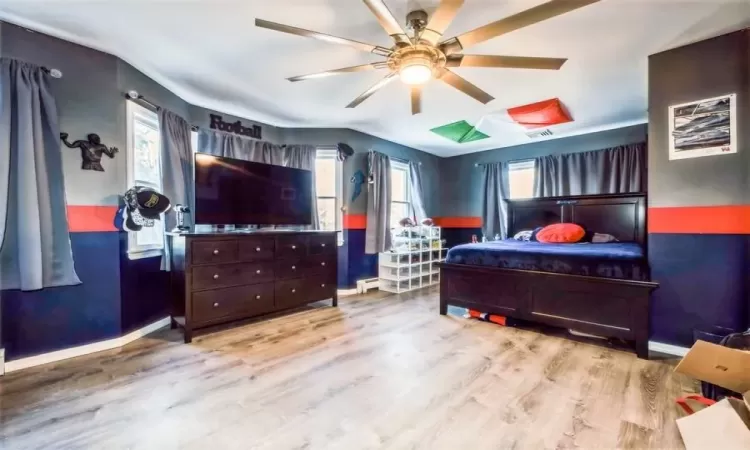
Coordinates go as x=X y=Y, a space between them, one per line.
x=416 y=71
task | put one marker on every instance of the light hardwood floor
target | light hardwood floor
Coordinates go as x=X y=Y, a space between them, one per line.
x=380 y=371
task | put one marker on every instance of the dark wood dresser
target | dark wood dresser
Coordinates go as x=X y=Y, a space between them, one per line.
x=222 y=277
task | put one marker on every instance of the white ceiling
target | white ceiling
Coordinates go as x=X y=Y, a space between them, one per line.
x=210 y=53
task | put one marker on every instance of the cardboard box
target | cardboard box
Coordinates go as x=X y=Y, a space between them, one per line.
x=726 y=424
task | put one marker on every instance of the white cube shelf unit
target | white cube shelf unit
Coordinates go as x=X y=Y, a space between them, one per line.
x=412 y=262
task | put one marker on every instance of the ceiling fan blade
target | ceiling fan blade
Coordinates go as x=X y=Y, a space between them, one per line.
x=441 y=18
x=523 y=19
x=322 y=37
x=464 y=86
x=416 y=100
x=373 y=89
x=328 y=73
x=510 y=62
x=387 y=21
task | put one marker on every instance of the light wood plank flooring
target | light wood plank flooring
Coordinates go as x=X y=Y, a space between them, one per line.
x=380 y=371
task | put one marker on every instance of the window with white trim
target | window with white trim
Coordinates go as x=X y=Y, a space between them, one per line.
x=521 y=179
x=144 y=169
x=400 y=192
x=329 y=189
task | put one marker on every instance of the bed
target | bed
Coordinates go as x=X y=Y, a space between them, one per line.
x=596 y=288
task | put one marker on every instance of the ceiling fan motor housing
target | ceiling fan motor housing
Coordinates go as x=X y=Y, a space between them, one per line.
x=416 y=20
x=424 y=55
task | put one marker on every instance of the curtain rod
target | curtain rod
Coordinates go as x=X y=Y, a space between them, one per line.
x=402 y=160
x=138 y=98
x=509 y=161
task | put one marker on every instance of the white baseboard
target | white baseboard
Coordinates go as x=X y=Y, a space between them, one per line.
x=46 y=358
x=667 y=349
x=345 y=292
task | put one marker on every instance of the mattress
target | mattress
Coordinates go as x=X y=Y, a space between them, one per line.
x=621 y=260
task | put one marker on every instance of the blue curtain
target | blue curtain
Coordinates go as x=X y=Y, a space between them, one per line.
x=494 y=206
x=610 y=171
x=35 y=249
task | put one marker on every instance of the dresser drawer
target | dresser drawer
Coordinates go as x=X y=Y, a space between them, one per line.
x=257 y=249
x=221 y=275
x=322 y=244
x=289 y=268
x=304 y=267
x=243 y=301
x=300 y=291
x=291 y=246
x=320 y=264
x=213 y=251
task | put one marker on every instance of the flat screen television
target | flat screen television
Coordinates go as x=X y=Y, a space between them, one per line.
x=233 y=191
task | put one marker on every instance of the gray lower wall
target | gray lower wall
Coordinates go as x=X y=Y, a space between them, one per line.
x=461 y=181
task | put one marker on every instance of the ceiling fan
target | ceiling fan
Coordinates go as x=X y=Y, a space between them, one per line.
x=419 y=58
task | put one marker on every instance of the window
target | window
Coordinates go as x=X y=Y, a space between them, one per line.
x=521 y=179
x=144 y=169
x=328 y=188
x=400 y=195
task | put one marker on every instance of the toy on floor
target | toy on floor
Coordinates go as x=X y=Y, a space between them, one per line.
x=494 y=318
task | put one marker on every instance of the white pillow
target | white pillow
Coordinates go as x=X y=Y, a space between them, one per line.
x=600 y=238
x=524 y=235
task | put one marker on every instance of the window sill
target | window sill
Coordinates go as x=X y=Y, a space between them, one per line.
x=144 y=254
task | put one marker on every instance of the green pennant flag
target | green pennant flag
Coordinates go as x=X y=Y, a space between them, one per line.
x=459 y=132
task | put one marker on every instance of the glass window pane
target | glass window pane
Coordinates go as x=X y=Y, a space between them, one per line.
x=398 y=212
x=327 y=213
x=325 y=177
x=521 y=183
x=398 y=185
x=145 y=151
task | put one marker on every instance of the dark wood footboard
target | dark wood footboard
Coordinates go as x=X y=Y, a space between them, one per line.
x=600 y=306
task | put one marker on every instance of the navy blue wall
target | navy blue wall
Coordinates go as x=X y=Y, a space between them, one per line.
x=702 y=284
x=56 y=318
x=144 y=289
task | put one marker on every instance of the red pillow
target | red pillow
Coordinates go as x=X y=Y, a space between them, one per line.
x=563 y=233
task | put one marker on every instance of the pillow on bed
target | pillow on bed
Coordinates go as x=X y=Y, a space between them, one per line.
x=603 y=238
x=561 y=233
x=524 y=235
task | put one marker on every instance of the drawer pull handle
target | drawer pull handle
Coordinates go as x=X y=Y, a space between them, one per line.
x=323 y=264
x=294 y=247
x=294 y=267
x=294 y=290
x=216 y=251
x=216 y=305
x=323 y=245
x=257 y=271
x=322 y=285
x=216 y=276
x=257 y=249
x=257 y=297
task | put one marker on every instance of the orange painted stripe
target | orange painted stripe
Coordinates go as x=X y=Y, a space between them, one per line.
x=729 y=219
x=458 y=222
x=91 y=218
x=355 y=221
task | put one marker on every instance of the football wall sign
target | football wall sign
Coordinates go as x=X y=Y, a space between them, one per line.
x=703 y=128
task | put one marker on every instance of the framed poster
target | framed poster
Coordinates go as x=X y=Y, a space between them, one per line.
x=703 y=128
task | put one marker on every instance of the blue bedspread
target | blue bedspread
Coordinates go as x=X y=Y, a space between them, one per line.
x=623 y=260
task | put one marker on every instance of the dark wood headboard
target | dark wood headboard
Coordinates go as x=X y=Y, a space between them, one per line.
x=621 y=215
